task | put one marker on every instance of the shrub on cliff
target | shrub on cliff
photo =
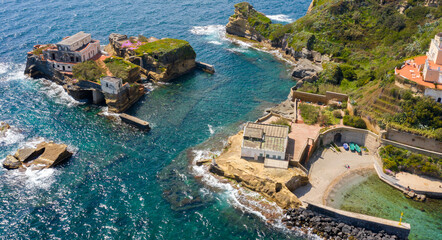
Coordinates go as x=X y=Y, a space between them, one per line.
x=119 y=67
x=165 y=46
x=89 y=71
x=354 y=121
x=399 y=159
x=282 y=122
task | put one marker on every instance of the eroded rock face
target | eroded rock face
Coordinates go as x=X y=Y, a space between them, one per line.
x=45 y=155
x=238 y=24
x=11 y=162
x=305 y=68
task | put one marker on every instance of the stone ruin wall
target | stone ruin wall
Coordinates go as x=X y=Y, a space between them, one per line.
x=414 y=140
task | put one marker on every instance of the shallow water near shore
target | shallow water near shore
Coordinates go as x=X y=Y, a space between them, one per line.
x=122 y=183
x=373 y=197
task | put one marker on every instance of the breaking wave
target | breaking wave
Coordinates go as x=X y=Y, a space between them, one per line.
x=12 y=71
x=11 y=136
x=280 y=18
x=57 y=92
x=33 y=178
x=215 y=34
x=241 y=198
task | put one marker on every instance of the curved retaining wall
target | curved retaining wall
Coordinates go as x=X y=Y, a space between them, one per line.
x=359 y=136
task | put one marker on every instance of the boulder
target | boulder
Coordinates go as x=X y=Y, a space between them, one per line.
x=26 y=154
x=305 y=68
x=11 y=162
x=53 y=154
x=45 y=155
x=3 y=128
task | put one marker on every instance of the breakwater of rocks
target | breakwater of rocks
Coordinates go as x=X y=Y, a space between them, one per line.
x=329 y=228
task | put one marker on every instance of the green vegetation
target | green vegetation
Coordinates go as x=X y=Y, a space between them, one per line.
x=398 y=159
x=88 y=71
x=312 y=114
x=259 y=21
x=283 y=122
x=309 y=113
x=163 y=46
x=354 y=121
x=119 y=67
x=40 y=50
x=328 y=118
x=366 y=40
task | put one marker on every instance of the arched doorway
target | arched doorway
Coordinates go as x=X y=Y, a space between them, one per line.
x=337 y=138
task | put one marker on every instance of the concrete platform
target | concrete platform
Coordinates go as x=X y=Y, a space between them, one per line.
x=134 y=121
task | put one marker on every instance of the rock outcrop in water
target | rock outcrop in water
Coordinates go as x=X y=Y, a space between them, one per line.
x=3 y=128
x=239 y=25
x=161 y=60
x=274 y=184
x=45 y=155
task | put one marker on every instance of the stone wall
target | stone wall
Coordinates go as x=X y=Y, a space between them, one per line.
x=359 y=136
x=364 y=221
x=276 y=163
x=413 y=140
x=317 y=98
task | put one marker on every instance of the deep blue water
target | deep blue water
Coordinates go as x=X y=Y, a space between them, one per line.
x=119 y=182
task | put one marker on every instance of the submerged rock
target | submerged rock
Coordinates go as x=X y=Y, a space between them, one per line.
x=45 y=155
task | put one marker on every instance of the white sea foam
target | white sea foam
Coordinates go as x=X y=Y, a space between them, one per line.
x=240 y=198
x=214 y=34
x=280 y=18
x=111 y=115
x=57 y=93
x=12 y=71
x=32 y=177
x=210 y=30
x=215 y=42
x=211 y=130
x=11 y=136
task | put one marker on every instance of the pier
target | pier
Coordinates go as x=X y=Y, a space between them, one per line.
x=134 y=121
x=205 y=67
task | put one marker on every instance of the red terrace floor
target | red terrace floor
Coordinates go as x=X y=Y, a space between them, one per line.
x=411 y=72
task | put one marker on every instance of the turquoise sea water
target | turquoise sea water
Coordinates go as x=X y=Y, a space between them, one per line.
x=373 y=197
x=121 y=183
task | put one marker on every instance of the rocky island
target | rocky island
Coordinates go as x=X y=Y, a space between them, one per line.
x=112 y=77
x=45 y=155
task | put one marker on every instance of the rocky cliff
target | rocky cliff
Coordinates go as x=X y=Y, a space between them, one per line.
x=239 y=24
x=274 y=184
x=248 y=23
x=37 y=67
x=160 y=59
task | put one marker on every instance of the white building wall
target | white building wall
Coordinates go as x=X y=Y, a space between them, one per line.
x=59 y=66
x=110 y=87
x=251 y=152
x=435 y=52
x=435 y=94
x=90 y=51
